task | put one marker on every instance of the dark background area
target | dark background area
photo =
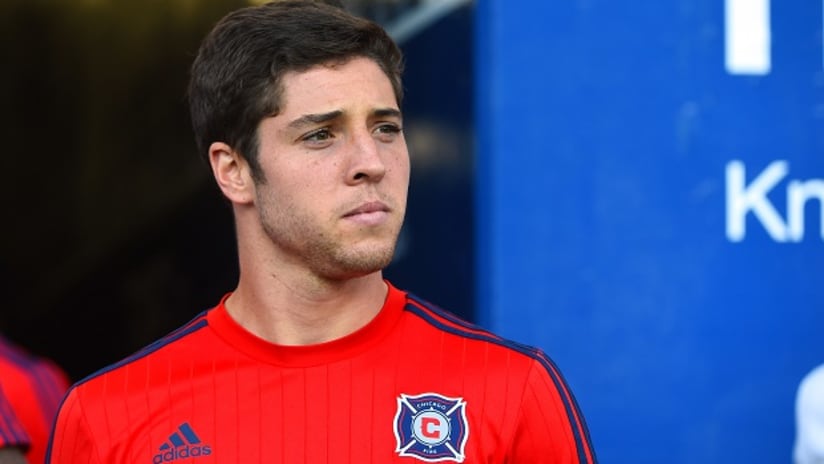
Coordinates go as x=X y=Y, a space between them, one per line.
x=114 y=233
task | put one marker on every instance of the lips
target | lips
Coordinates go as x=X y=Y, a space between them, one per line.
x=370 y=214
x=366 y=208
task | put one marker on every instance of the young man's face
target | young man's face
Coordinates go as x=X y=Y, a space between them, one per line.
x=336 y=170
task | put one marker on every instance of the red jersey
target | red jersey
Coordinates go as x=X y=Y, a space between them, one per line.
x=415 y=384
x=12 y=433
x=33 y=387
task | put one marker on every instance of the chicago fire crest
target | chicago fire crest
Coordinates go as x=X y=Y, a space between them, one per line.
x=431 y=427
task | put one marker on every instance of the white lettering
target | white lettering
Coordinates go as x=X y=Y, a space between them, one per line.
x=747 y=37
x=797 y=195
x=743 y=198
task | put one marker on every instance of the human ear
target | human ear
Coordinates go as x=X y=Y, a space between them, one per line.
x=231 y=173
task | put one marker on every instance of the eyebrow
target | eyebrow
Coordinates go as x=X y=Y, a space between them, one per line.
x=311 y=119
x=387 y=112
x=319 y=118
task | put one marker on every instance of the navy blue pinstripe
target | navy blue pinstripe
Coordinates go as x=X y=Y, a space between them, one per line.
x=472 y=332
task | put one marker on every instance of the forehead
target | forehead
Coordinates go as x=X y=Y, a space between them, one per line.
x=337 y=85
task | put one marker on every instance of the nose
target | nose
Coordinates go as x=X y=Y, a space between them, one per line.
x=366 y=163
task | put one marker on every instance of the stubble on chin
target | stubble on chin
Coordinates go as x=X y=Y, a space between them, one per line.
x=328 y=250
x=342 y=261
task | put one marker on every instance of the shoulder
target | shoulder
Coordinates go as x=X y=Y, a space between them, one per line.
x=166 y=346
x=23 y=372
x=500 y=357
x=106 y=397
x=474 y=336
x=14 y=356
x=516 y=374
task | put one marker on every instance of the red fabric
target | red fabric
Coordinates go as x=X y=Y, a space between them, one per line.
x=212 y=392
x=33 y=387
x=12 y=433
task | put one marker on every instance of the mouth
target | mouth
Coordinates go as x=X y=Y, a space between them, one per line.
x=370 y=213
x=367 y=208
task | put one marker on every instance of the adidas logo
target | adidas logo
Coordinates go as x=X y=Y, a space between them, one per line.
x=184 y=443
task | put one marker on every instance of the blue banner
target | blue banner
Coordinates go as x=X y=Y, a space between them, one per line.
x=650 y=204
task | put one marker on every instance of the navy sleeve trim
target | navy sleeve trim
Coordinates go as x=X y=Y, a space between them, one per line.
x=457 y=326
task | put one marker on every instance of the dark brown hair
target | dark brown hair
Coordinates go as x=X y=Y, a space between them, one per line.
x=236 y=78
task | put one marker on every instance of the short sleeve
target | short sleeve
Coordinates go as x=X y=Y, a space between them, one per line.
x=71 y=441
x=551 y=428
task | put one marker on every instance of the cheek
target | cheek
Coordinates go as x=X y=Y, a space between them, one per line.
x=295 y=178
x=399 y=163
x=405 y=170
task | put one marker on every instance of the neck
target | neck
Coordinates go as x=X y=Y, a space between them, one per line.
x=303 y=313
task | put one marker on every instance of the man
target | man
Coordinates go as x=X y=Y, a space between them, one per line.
x=314 y=357
x=13 y=438
x=32 y=387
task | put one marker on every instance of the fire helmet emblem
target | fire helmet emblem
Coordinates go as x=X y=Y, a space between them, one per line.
x=431 y=427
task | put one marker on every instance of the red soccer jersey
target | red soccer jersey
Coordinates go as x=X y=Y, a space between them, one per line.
x=12 y=433
x=415 y=384
x=33 y=387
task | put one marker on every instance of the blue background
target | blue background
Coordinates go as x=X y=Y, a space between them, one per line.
x=603 y=134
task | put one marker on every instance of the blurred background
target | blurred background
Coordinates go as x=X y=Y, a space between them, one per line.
x=635 y=189
x=114 y=231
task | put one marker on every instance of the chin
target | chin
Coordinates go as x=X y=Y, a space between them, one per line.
x=355 y=264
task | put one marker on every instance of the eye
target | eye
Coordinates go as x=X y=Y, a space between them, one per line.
x=318 y=137
x=387 y=131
